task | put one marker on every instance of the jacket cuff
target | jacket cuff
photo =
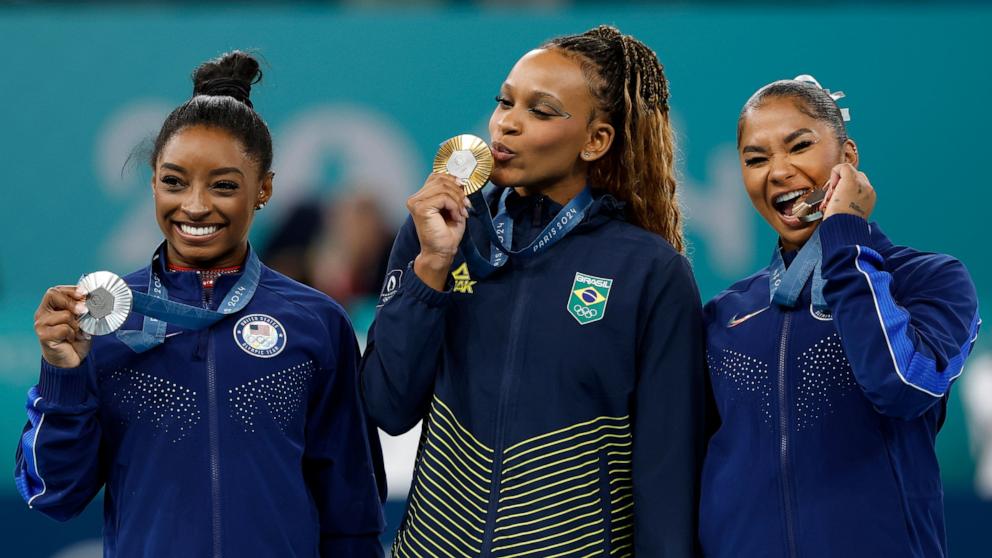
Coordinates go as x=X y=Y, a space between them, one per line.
x=422 y=292
x=843 y=230
x=64 y=386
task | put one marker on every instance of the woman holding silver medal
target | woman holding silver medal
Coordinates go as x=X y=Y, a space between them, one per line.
x=831 y=367
x=554 y=351
x=223 y=418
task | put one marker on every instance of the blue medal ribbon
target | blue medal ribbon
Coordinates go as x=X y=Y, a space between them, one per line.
x=500 y=231
x=158 y=310
x=786 y=284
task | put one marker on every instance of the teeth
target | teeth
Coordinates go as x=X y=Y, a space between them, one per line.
x=198 y=231
x=790 y=196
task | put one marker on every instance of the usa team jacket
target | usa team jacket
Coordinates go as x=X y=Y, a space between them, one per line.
x=562 y=397
x=205 y=446
x=826 y=446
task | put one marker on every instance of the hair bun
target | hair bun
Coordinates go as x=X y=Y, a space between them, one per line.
x=231 y=74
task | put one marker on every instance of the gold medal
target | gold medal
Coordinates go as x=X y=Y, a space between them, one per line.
x=466 y=157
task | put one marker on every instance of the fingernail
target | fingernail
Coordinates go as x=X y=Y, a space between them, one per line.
x=464 y=213
x=467 y=202
x=85 y=336
x=81 y=291
x=81 y=308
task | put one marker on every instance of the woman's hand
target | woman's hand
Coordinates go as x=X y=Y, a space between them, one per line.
x=848 y=191
x=439 y=213
x=56 y=324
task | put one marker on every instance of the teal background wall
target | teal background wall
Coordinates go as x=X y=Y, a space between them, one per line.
x=365 y=96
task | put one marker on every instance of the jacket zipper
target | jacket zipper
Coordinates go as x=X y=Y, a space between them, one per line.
x=783 y=413
x=519 y=303
x=214 y=436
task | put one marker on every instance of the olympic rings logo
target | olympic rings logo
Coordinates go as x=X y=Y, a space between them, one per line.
x=585 y=312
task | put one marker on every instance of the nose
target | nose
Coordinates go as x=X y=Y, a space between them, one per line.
x=196 y=203
x=781 y=170
x=507 y=121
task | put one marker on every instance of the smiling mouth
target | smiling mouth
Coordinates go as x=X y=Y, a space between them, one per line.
x=784 y=203
x=197 y=230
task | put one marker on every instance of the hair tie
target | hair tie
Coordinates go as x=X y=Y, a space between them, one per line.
x=845 y=113
x=230 y=87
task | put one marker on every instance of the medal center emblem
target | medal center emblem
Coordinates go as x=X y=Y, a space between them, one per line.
x=461 y=164
x=100 y=303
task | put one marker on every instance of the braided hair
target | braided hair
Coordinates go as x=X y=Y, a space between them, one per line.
x=222 y=99
x=629 y=86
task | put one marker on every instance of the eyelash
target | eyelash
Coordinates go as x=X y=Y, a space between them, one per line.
x=175 y=183
x=801 y=146
x=505 y=103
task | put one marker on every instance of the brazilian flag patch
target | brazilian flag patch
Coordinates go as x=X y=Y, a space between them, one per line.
x=587 y=302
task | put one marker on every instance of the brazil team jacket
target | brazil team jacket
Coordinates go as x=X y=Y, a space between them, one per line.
x=826 y=446
x=206 y=445
x=562 y=397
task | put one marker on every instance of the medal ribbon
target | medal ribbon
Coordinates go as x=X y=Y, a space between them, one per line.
x=159 y=311
x=500 y=231
x=786 y=284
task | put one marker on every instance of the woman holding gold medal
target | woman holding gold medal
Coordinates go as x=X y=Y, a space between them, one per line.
x=226 y=419
x=554 y=350
x=832 y=366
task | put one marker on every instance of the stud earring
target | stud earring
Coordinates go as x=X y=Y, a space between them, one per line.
x=586 y=155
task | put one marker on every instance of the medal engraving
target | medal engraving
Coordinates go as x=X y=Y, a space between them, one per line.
x=461 y=164
x=100 y=303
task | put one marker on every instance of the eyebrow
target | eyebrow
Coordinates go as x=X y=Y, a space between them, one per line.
x=753 y=149
x=545 y=95
x=791 y=137
x=215 y=172
x=538 y=94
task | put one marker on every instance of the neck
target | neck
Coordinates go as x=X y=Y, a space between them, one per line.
x=561 y=192
x=236 y=258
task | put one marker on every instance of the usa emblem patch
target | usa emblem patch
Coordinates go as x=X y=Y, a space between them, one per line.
x=260 y=335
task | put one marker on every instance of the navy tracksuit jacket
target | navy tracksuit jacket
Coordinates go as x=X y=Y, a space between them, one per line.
x=206 y=448
x=826 y=447
x=562 y=396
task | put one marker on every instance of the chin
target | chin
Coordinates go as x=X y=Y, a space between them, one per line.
x=500 y=178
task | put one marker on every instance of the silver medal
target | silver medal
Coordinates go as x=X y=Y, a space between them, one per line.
x=108 y=303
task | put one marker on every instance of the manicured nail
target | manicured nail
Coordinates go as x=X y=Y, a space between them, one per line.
x=81 y=308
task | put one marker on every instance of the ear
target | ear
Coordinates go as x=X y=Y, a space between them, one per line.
x=265 y=188
x=600 y=139
x=850 y=150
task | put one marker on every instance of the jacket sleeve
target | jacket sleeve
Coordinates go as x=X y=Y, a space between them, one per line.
x=669 y=420
x=58 y=464
x=907 y=320
x=338 y=462
x=404 y=342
